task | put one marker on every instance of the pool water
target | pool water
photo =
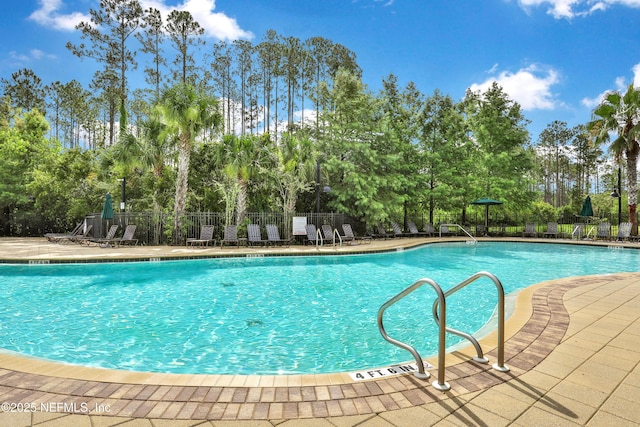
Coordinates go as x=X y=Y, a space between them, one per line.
x=271 y=315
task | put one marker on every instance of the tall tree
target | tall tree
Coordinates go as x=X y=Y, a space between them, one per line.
x=620 y=114
x=25 y=90
x=152 y=39
x=110 y=28
x=184 y=33
x=185 y=111
x=554 y=141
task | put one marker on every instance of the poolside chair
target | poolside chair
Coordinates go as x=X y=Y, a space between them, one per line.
x=313 y=236
x=481 y=230
x=552 y=230
x=624 y=231
x=604 y=231
x=350 y=237
x=578 y=230
x=413 y=229
x=429 y=230
x=53 y=237
x=273 y=235
x=530 y=230
x=381 y=232
x=254 y=236
x=230 y=235
x=127 y=237
x=397 y=231
x=99 y=241
x=206 y=237
x=444 y=230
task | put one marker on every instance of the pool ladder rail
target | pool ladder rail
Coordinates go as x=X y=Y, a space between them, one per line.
x=440 y=317
x=464 y=230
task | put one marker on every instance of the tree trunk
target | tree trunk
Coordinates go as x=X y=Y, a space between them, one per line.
x=182 y=182
x=241 y=212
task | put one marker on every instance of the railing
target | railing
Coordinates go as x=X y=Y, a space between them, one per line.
x=458 y=226
x=336 y=233
x=439 y=305
x=500 y=366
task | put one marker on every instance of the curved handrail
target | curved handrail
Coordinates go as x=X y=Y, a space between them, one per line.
x=319 y=238
x=500 y=366
x=460 y=227
x=440 y=384
x=335 y=233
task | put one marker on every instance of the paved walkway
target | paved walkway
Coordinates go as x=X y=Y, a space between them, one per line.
x=573 y=348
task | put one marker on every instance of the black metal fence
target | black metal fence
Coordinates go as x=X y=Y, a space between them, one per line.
x=157 y=228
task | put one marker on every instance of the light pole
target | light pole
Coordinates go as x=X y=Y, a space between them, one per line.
x=325 y=189
x=617 y=194
x=123 y=203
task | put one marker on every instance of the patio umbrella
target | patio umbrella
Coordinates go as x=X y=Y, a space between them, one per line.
x=107 y=209
x=587 y=209
x=486 y=202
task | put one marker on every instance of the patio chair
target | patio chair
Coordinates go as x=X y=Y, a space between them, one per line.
x=481 y=230
x=99 y=241
x=230 y=235
x=530 y=230
x=273 y=235
x=254 y=235
x=76 y=238
x=552 y=230
x=578 y=230
x=381 y=232
x=53 y=237
x=327 y=232
x=350 y=237
x=312 y=235
x=413 y=229
x=429 y=230
x=624 y=231
x=206 y=237
x=127 y=237
x=444 y=230
x=397 y=231
x=604 y=231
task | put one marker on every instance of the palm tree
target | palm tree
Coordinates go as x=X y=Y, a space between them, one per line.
x=620 y=114
x=240 y=158
x=185 y=112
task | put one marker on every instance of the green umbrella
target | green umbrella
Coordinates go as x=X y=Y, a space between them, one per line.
x=486 y=203
x=107 y=209
x=587 y=209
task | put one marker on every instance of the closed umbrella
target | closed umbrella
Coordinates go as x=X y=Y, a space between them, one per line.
x=486 y=202
x=587 y=209
x=107 y=209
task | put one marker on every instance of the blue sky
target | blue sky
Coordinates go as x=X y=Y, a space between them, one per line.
x=555 y=57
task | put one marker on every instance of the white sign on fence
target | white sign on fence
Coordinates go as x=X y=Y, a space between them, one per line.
x=299 y=225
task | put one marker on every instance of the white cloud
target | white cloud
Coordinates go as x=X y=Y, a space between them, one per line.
x=48 y=15
x=20 y=59
x=530 y=87
x=572 y=8
x=620 y=86
x=215 y=24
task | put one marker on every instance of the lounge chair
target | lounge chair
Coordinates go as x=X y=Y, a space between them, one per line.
x=429 y=230
x=530 y=230
x=397 y=231
x=312 y=235
x=444 y=230
x=350 y=237
x=604 y=231
x=481 y=230
x=54 y=237
x=578 y=230
x=127 y=237
x=382 y=233
x=100 y=241
x=254 y=236
x=624 y=231
x=413 y=230
x=273 y=235
x=230 y=235
x=206 y=237
x=77 y=238
x=552 y=230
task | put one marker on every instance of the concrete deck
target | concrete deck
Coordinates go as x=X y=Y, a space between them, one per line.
x=573 y=347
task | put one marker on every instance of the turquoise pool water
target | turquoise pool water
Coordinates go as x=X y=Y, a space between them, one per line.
x=269 y=315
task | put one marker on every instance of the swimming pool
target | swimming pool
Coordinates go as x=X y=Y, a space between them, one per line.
x=272 y=315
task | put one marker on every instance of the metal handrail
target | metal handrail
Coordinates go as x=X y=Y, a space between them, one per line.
x=319 y=238
x=460 y=227
x=440 y=384
x=336 y=233
x=500 y=366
